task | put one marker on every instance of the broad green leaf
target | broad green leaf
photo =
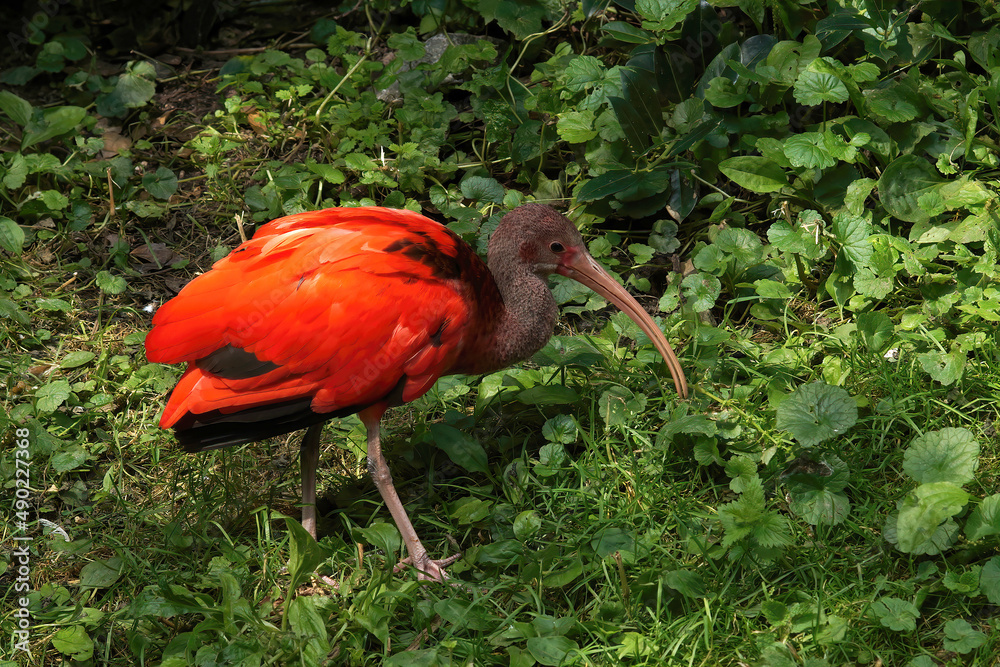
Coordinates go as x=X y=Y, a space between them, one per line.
x=576 y=127
x=111 y=284
x=54 y=122
x=896 y=614
x=875 y=330
x=959 y=636
x=618 y=406
x=821 y=506
x=482 y=188
x=989 y=580
x=687 y=583
x=527 y=524
x=16 y=108
x=471 y=510
x=49 y=397
x=701 y=290
x=756 y=174
x=816 y=412
x=69 y=458
x=74 y=641
x=101 y=573
x=903 y=182
x=814 y=88
x=944 y=367
x=948 y=455
x=384 y=537
x=551 y=650
x=161 y=184
x=561 y=429
x=11 y=236
x=460 y=447
x=852 y=231
x=304 y=554
x=985 y=520
x=628 y=33
x=809 y=150
x=924 y=509
x=609 y=540
x=76 y=359
x=548 y=394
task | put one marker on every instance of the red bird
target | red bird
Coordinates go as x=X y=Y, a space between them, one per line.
x=355 y=310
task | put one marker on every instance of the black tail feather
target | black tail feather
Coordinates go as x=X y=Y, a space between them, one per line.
x=213 y=430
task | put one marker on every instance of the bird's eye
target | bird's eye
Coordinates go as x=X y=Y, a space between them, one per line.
x=556 y=247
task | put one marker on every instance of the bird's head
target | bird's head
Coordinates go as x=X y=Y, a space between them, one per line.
x=544 y=242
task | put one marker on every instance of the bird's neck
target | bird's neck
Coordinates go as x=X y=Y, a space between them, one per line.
x=521 y=325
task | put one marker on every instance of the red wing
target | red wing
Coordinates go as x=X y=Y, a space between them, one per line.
x=343 y=306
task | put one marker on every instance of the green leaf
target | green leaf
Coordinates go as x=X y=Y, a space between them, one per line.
x=948 y=455
x=628 y=33
x=618 y=406
x=985 y=520
x=561 y=429
x=687 y=583
x=384 y=537
x=460 y=447
x=54 y=122
x=74 y=642
x=944 y=367
x=110 y=284
x=76 y=359
x=481 y=188
x=961 y=637
x=896 y=614
x=876 y=331
x=701 y=290
x=756 y=174
x=816 y=412
x=101 y=573
x=813 y=88
x=49 y=397
x=809 y=150
x=989 y=580
x=161 y=184
x=576 y=127
x=903 y=182
x=551 y=650
x=527 y=524
x=70 y=458
x=610 y=540
x=11 y=236
x=548 y=394
x=304 y=554
x=852 y=231
x=16 y=108
x=924 y=509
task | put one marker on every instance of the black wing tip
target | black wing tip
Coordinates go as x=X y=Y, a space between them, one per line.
x=213 y=430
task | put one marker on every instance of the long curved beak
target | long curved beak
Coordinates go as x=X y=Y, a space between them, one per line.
x=585 y=270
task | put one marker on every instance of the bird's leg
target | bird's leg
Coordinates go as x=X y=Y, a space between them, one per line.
x=309 y=459
x=427 y=569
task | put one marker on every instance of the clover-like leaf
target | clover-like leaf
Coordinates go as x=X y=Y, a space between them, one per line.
x=896 y=614
x=816 y=412
x=961 y=637
x=948 y=455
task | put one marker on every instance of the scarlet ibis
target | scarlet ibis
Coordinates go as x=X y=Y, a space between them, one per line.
x=355 y=310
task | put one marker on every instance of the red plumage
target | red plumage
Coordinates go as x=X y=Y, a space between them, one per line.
x=346 y=303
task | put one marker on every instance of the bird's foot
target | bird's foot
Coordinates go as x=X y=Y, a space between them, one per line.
x=427 y=568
